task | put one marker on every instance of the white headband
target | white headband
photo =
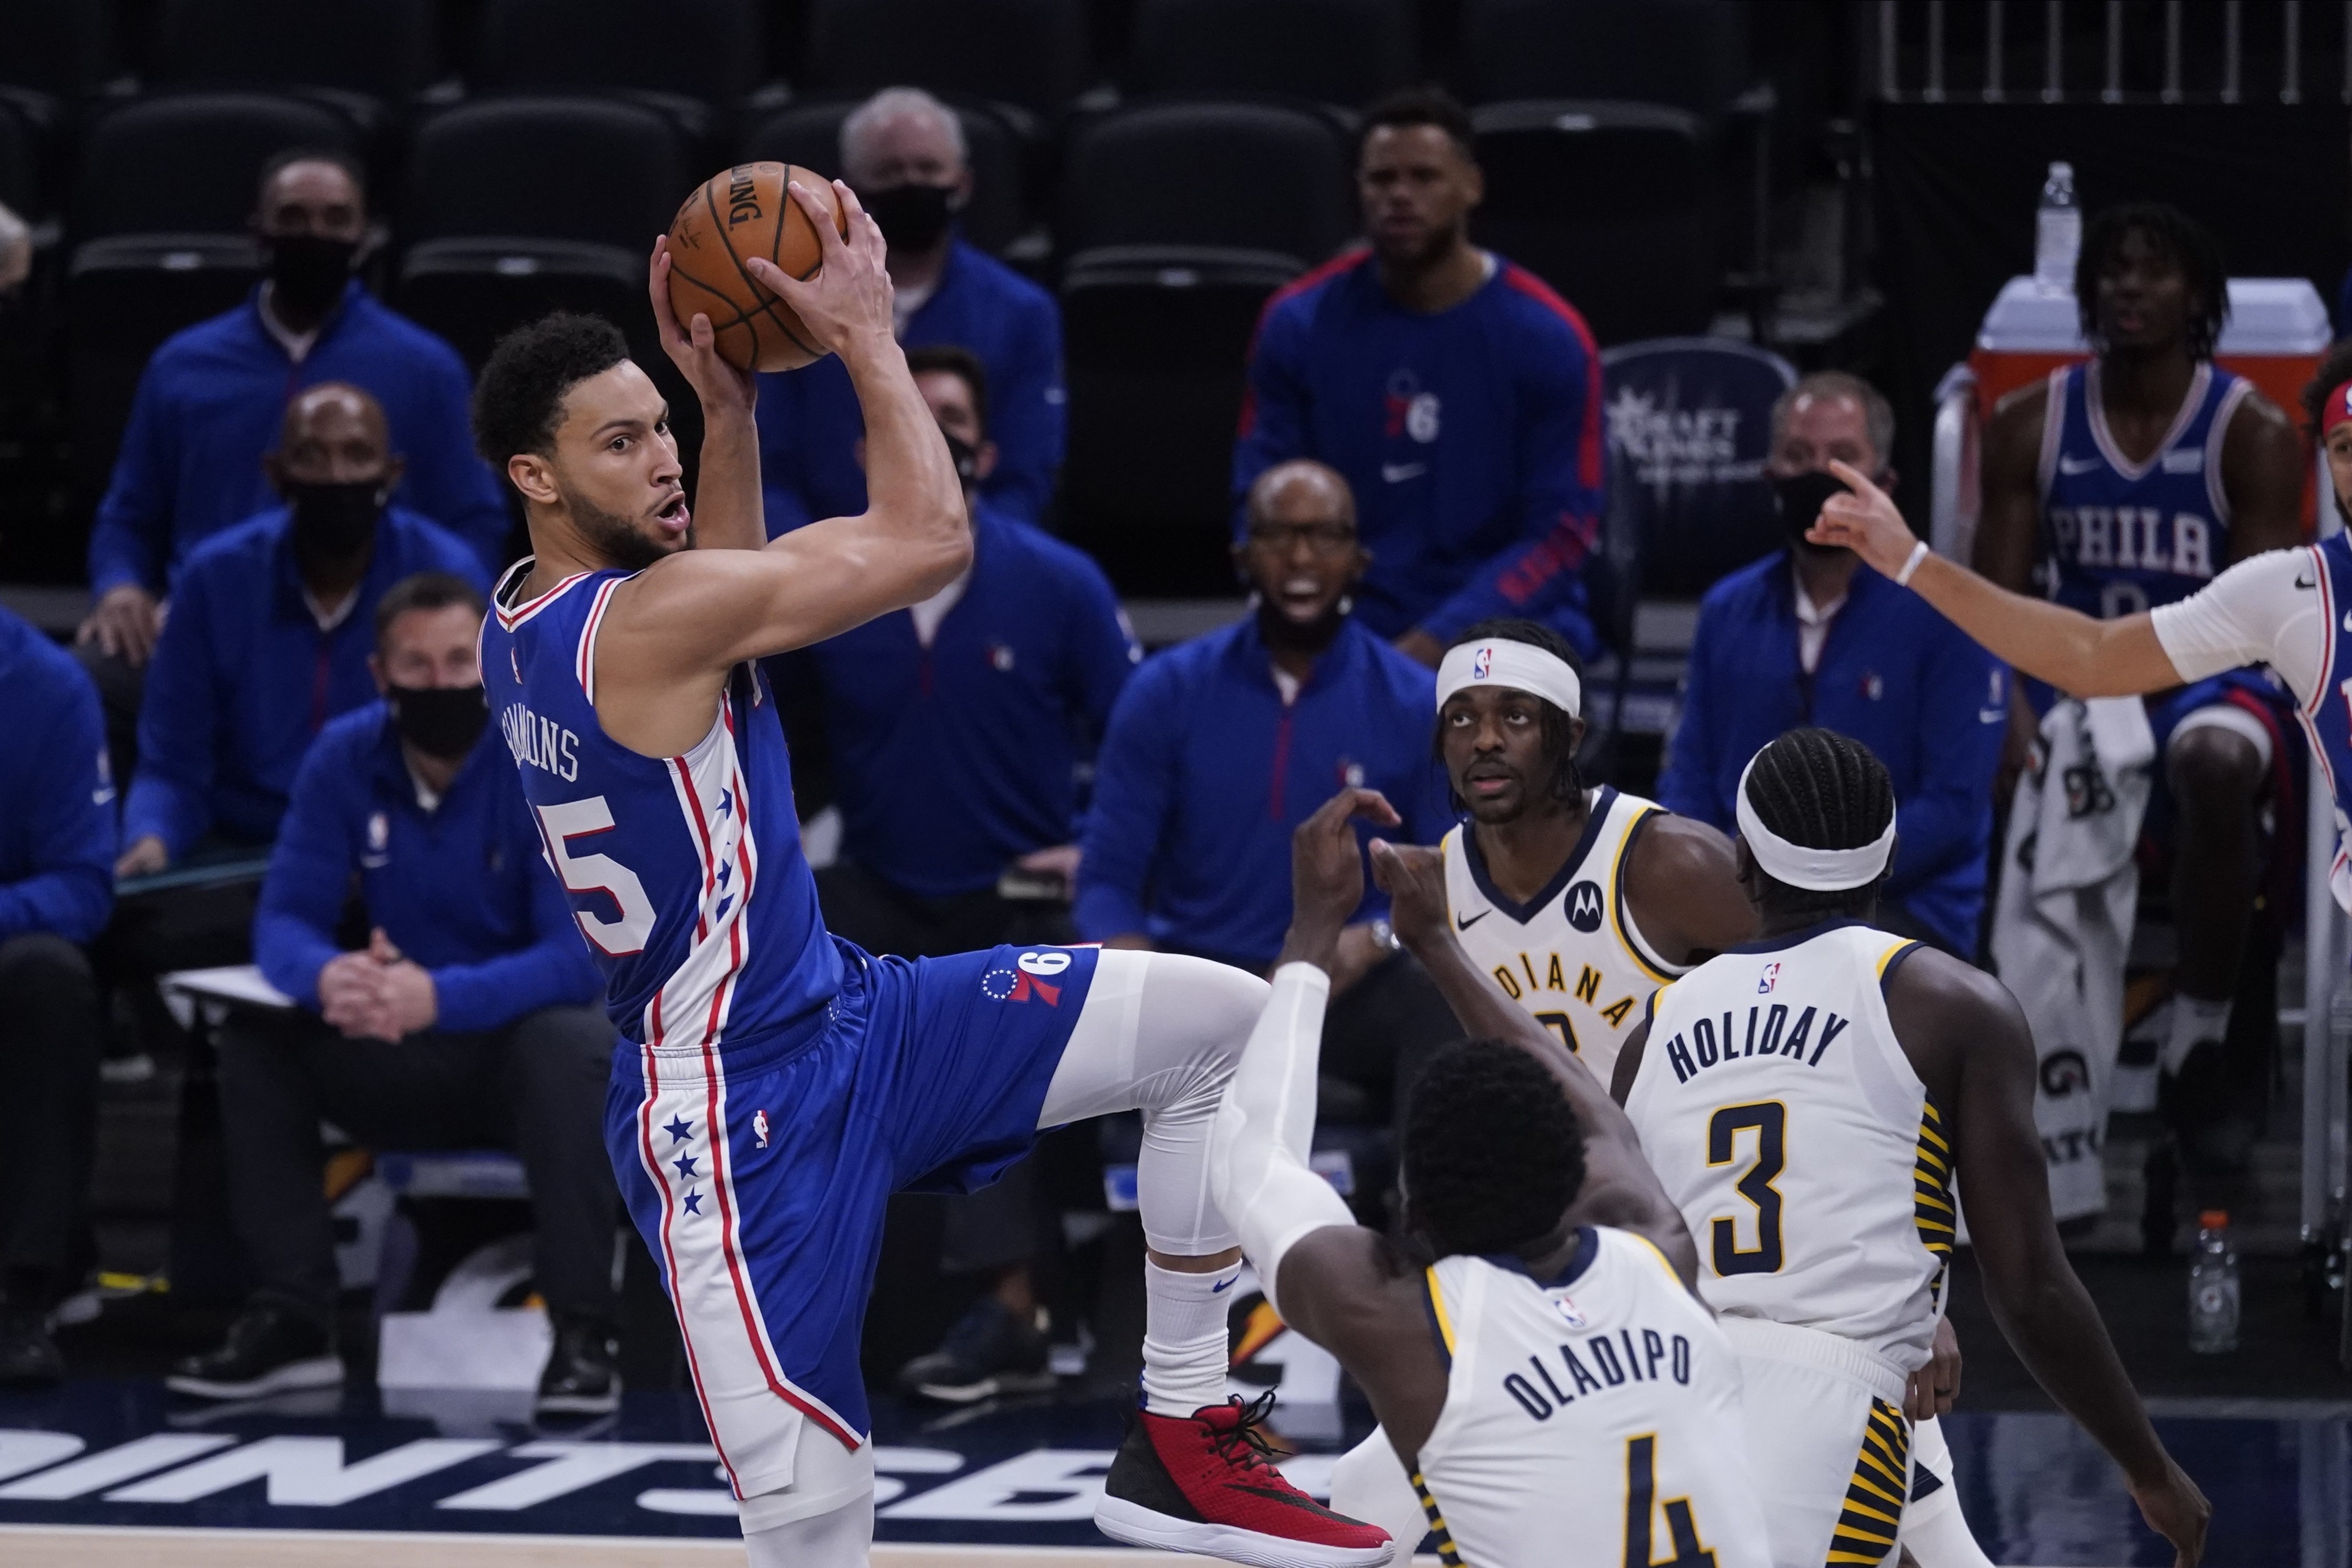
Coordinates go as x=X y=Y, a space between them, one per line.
x=1521 y=666
x=1816 y=870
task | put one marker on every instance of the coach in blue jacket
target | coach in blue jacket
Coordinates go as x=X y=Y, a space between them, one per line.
x=270 y=631
x=1811 y=636
x=56 y=859
x=1458 y=395
x=209 y=403
x=1221 y=746
x=469 y=1019
x=903 y=153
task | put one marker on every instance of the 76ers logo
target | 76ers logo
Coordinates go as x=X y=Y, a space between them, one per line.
x=1020 y=983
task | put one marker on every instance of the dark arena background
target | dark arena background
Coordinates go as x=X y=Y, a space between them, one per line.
x=1718 y=197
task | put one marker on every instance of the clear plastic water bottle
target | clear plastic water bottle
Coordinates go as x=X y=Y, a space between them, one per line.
x=2213 y=1287
x=2057 y=232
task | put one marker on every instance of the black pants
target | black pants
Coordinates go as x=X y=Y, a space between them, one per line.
x=1005 y=1223
x=49 y=1113
x=536 y=1086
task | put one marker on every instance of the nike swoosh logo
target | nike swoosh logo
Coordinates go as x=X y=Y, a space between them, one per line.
x=1398 y=473
x=1463 y=922
x=2302 y=582
x=2079 y=466
x=1222 y=1286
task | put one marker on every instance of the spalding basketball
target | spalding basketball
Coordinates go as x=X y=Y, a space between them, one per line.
x=737 y=213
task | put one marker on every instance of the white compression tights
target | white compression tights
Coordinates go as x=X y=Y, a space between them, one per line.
x=841 y=1539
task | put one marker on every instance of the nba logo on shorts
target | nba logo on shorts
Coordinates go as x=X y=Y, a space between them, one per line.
x=760 y=1127
x=1482 y=663
x=1770 y=980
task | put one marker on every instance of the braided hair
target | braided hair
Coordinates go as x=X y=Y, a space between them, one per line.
x=1824 y=791
x=1492 y=1152
x=2191 y=246
x=1559 y=733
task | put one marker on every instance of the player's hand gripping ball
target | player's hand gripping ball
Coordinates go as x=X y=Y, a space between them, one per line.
x=737 y=213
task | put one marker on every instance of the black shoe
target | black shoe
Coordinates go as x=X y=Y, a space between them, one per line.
x=582 y=1376
x=992 y=1350
x=270 y=1349
x=28 y=1356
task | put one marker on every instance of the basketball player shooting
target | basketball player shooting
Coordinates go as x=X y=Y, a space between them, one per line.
x=775 y=1085
x=1549 y=1385
x=1806 y=1099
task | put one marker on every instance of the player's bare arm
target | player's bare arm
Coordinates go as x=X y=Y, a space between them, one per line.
x=2064 y=647
x=1968 y=1041
x=1620 y=1189
x=1683 y=892
x=672 y=632
x=2261 y=474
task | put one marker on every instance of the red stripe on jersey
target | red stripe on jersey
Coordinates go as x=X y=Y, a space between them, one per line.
x=1346 y=261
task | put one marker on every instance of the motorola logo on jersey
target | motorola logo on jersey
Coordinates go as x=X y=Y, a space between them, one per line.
x=1583 y=906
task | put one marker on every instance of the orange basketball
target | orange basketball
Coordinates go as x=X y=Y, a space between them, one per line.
x=736 y=214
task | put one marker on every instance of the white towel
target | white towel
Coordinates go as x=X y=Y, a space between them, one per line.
x=2062 y=926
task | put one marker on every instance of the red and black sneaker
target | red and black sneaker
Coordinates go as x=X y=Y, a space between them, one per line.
x=1206 y=1483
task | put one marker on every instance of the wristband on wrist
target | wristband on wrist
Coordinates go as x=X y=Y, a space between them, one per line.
x=1911 y=564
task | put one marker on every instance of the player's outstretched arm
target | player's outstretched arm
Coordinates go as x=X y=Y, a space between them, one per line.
x=2064 y=647
x=728 y=511
x=1976 y=1053
x=1620 y=1188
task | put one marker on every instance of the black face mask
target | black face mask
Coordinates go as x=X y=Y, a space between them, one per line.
x=1800 y=496
x=307 y=272
x=332 y=522
x=966 y=458
x=912 y=217
x=440 y=721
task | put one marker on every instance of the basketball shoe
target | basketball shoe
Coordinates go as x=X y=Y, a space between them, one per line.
x=1206 y=1483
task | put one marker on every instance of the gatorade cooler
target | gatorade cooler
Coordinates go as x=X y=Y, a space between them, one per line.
x=2275 y=337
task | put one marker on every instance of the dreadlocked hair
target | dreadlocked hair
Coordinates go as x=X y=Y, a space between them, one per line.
x=1822 y=791
x=1558 y=732
x=2189 y=244
x=1493 y=1155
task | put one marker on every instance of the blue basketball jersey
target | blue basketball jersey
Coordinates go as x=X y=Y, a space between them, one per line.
x=2118 y=536
x=2326 y=712
x=684 y=873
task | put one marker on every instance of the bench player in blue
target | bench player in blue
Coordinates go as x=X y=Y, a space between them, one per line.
x=774 y=1084
x=2128 y=482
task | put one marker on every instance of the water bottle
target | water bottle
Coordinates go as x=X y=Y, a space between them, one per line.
x=2213 y=1287
x=2057 y=232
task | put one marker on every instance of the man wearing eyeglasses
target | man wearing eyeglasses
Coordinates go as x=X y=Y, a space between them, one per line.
x=1222 y=746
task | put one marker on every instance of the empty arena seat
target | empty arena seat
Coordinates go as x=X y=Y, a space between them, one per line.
x=553 y=168
x=708 y=50
x=1690 y=53
x=63 y=48
x=1613 y=204
x=1253 y=176
x=1339 y=51
x=1029 y=52
x=384 y=49
x=809 y=134
x=1156 y=345
x=189 y=162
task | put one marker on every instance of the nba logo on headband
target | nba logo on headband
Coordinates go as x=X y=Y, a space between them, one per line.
x=1482 y=663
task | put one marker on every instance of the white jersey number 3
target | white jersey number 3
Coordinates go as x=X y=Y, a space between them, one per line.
x=597 y=874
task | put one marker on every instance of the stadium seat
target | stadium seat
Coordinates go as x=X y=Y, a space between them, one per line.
x=63 y=48
x=1257 y=176
x=809 y=134
x=1156 y=342
x=1613 y=204
x=1029 y=52
x=1689 y=54
x=1338 y=51
x=384 y=49
x=707 y=50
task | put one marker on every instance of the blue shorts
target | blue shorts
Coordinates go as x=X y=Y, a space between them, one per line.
x=759 y=1177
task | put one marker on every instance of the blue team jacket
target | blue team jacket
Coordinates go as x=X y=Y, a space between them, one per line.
x=809 y=422
x=56 y=803
x=1471 y=438
x=1205 y=772
x=457 y=888
x=209 y=405
x=1895 y=675
x=956 y=759
x=243 y=678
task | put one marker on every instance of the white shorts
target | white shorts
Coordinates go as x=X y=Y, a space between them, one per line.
x=1828 y=1440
